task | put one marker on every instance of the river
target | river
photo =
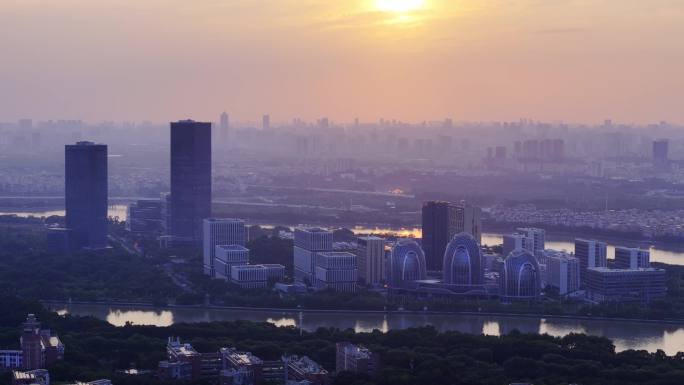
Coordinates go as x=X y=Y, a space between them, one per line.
x=625 y=334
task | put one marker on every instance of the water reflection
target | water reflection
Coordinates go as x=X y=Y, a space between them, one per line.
x=625 y=335
x=113 y=211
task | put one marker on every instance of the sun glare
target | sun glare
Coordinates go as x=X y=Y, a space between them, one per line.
x=398 y=5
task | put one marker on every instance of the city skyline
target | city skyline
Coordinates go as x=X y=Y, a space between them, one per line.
x=575 y=61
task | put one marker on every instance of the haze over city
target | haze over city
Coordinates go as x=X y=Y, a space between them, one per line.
x=578 y=61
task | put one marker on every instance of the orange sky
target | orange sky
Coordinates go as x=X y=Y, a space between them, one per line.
x=571 y=60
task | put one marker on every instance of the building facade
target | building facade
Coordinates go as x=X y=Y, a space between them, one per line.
x=625 y=285
x=521 y=277
x=440 y=222
x=632 y=258
x=227 y=256
x=562 y=272
x=218 y=232
x=370 y=254
x=85 y=177
x=145 y=216
x=462 y=263
x=337 y=271
x=308 y=242
x=590 y=253
x=406 y=264
x=355 y=359
x=190 y=180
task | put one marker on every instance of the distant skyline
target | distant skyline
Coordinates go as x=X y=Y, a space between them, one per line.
x=411 y=60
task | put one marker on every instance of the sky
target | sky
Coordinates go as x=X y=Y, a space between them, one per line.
x=411 y=60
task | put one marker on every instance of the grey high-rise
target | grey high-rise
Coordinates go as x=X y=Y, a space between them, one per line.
x=85 y=181
x=190 y=180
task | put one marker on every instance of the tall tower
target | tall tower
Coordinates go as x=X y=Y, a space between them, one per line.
x=266 y=122
x=190 y=180
x=224 y=126
x=443 y=220
x=85 y=177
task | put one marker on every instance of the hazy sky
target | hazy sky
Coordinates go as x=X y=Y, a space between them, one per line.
x=571 y=60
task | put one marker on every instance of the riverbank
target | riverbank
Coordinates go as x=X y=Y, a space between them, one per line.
x=150 y=306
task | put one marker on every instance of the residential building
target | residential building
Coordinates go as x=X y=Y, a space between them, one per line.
x=337 y=271
x=227 y=256
x=221 y=232
x=305 y=369
x=625 y=285
x=85 y=180
x=591 y=253
x=356 y=359
x=190 y=180
x=308 y=242
x=441 y=221
x=562 y=272
x=632 y=258
x=370 y=254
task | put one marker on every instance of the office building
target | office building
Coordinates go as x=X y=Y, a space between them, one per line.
x=536 y=239
x=221 y=232
x=562 y=272
x=441 y=221
x=39 y=348
x=256 y=276
x=85 y=177
x=227 y=256
x=307 y=243
x=515 y=242
x=406 y=264
x=590 y=253
x=463 y=261
x=305 y=369
x=521 y=277
x=355 y=359
x=190 y=180
x=337 y=271
x=370 y=254
x=11 y=359
x=642 y=285
x=632 y=258
x=145 y=216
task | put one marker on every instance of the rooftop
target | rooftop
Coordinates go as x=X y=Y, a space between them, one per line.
x=616 y=271
x=232 y=247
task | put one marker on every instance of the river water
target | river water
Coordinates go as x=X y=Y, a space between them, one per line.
x=625 y=334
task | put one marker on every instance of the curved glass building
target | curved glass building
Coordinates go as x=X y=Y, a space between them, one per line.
x=521 y=277
x=462 y=264
x=406 y=264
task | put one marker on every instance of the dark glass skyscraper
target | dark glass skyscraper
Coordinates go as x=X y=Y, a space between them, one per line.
x=85 y=177
x=190 y=180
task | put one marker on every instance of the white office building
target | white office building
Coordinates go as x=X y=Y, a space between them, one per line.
x=536 y=239
x=227 y=256
x=562 y=272
x=221 y=232
x=370 y=254
x=337 y=271
x=632 y=258
x=308 y=242
x=256 y=276
x=514 y=242
x=591 y=254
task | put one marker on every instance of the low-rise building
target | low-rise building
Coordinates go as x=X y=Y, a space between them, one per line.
x=562 y=272
x=337 y=271
x=184 y=362
x=31 y=377
x=226 y=257
x=356 y=359
x=625 y=285
x=305 y=369
x=245 y=364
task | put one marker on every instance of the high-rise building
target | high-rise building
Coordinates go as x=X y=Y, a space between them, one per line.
x=221 y=232
x=190 y=180
x=591 y=253
x=371 y=259
x=536 y=239
x=266 y=122
x=337 y=271
x=224 y=126
x=562 y=272
x=85 y=171
x=443 y=220
x=463 y=261
x=307 y=243
x=660 y=153
x=632 y=258
x=515 y=242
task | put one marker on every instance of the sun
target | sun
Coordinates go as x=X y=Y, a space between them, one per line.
x=399 y=5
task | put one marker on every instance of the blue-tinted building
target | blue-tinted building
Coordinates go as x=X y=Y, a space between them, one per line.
x=521 y=277
x=190 y=180
x=85 y=180
x=406 y=263
x=463 y=261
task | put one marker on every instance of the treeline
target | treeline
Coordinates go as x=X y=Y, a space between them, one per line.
x=418 y=356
